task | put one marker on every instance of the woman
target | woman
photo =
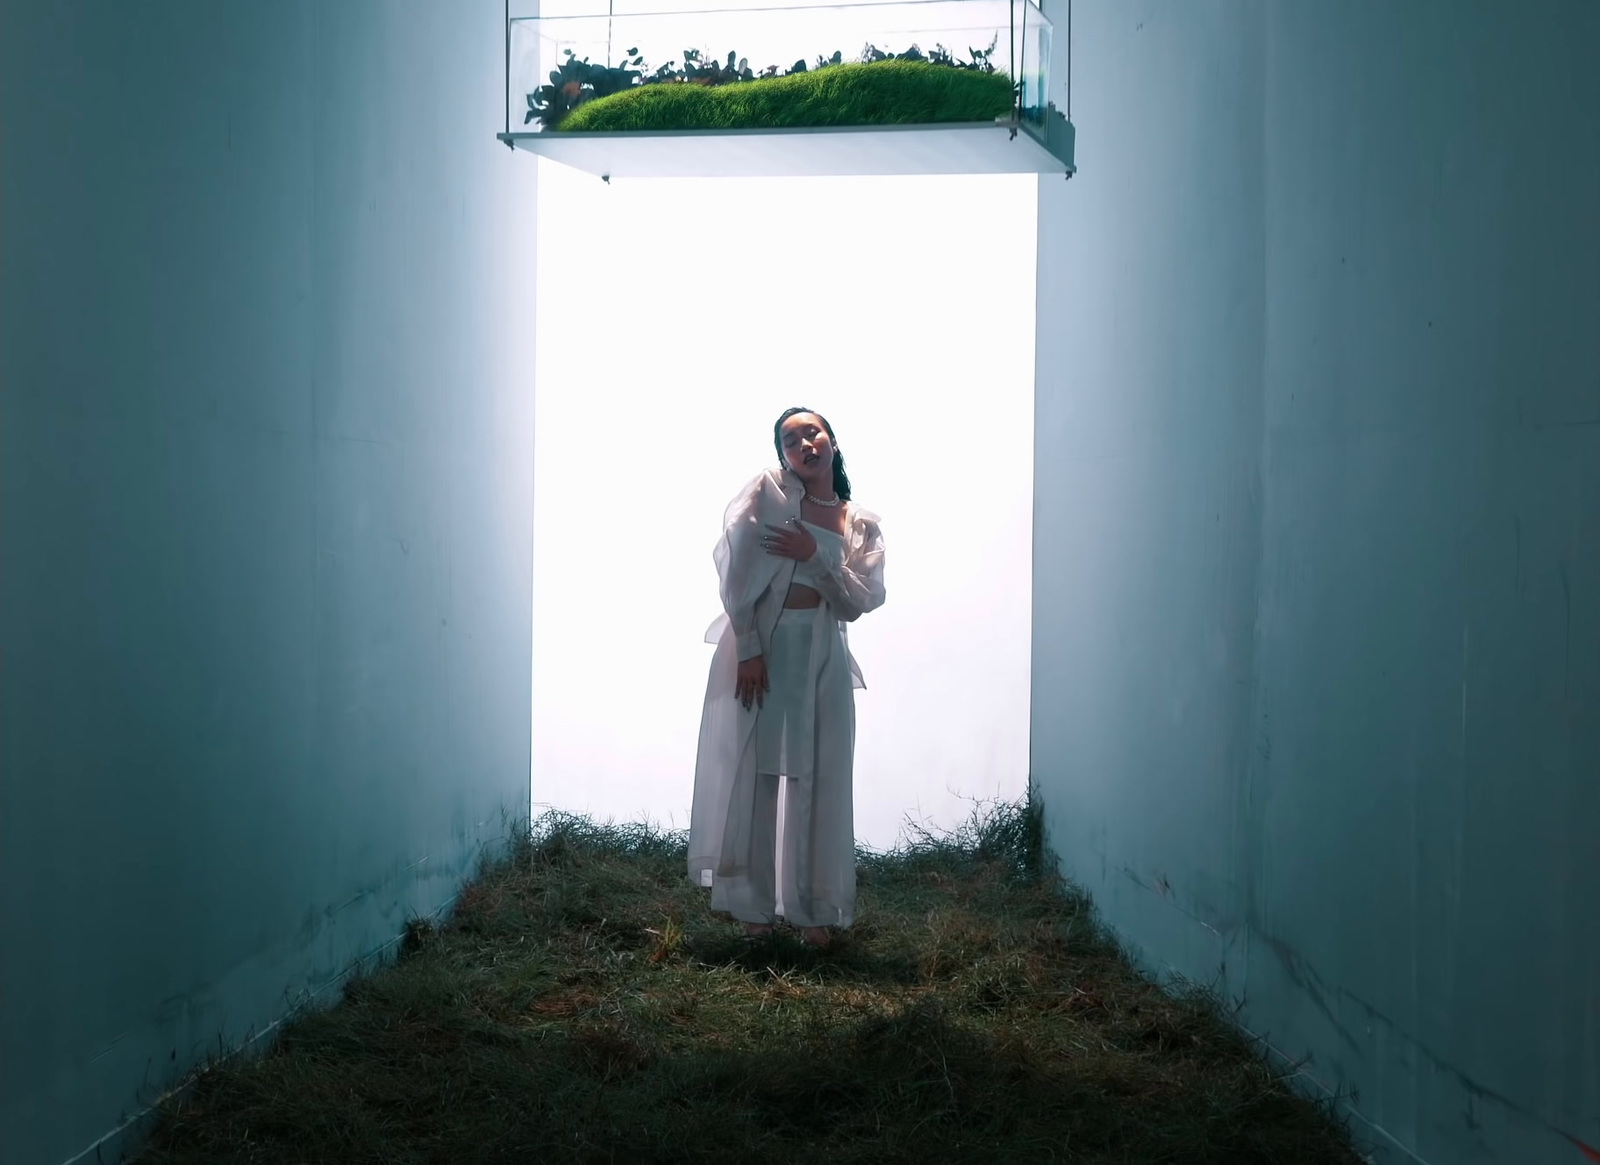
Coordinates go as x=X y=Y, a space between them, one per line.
x=797 y=561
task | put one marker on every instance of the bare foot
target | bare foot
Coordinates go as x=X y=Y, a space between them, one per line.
x=757 y=928
x=816 y=936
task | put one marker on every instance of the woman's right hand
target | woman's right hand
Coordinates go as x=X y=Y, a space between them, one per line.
x=752 y=682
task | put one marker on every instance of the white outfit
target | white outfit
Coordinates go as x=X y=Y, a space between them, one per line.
x=804 y=729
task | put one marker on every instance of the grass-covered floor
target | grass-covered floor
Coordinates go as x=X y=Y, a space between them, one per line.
x=880 y=93
x=585 y=1005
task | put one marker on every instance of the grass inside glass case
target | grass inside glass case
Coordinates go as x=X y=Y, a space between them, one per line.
x=708 y=93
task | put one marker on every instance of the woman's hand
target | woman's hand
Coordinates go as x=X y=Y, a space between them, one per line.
x=752 y=682
x=794 y=542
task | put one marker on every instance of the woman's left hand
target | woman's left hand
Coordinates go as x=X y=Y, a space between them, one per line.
x=794 y=542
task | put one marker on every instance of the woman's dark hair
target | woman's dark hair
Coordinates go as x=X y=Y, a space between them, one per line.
x=841 y=480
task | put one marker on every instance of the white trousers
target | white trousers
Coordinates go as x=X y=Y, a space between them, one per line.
x=785 y=752
x=764 y=894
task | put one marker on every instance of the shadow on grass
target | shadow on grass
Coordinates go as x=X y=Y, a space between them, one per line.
x=583 y=1004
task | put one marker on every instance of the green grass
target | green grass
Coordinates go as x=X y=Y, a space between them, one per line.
x=880 y=93
x=584 y=1005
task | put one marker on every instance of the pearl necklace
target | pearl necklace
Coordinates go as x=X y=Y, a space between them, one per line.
x=820 y=502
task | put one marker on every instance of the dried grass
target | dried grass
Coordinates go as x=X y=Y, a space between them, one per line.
x=584 y=1005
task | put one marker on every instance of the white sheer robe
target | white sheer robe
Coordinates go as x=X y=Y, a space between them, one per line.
x=754 y=584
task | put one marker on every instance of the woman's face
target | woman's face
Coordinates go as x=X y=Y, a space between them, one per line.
x=806 y=447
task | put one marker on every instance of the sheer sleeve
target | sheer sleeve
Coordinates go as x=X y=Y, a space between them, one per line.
x=744 y=571
x=853 y=578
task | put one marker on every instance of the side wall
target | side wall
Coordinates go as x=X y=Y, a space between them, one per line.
x=1317 y=578
x=266 y=323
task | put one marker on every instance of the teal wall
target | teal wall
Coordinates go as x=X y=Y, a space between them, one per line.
x=266 y=322
x=1316 y=674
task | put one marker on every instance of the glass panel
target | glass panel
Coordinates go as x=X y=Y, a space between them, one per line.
x=560 y=63
x=1033 y=63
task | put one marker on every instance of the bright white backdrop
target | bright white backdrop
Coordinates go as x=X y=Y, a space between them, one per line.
x=677 y=319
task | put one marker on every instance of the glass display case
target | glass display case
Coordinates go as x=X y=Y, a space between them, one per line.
x=905 y=86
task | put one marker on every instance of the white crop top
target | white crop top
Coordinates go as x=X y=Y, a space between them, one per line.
x=807 y=573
